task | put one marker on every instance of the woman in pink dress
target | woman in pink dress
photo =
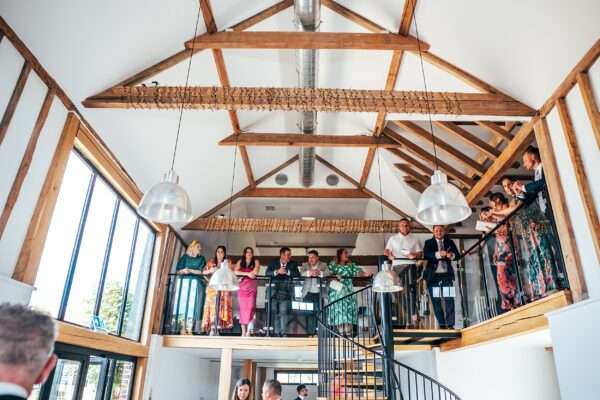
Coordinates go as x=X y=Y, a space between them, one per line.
x=247 y=268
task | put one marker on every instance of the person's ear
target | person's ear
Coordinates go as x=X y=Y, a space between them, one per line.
x=48 y=367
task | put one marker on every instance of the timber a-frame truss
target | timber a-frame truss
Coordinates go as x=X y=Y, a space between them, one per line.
x=416 y=162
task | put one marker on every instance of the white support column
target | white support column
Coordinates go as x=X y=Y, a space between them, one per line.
x=225 y=373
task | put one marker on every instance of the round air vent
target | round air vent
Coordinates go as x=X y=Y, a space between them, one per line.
x=332 y=180
x=281 y=179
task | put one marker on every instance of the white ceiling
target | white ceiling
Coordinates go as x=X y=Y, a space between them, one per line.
x=523 y=48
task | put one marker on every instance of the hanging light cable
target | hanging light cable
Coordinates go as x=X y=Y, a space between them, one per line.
x=441 y=203
x=167 y=202
x=385 y=281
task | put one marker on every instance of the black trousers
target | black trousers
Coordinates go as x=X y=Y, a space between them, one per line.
x=445 y=317
x=311 y=320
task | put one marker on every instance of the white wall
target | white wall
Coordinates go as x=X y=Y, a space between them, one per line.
x=509 y=369
x=13 y=147
x=178 y=374
x=577 y=350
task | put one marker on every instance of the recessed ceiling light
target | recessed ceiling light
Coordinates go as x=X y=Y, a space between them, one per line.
x=281 y=179
x=332 y=180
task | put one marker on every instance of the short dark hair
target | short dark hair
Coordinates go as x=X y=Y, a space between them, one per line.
x=507 y=177
x=498 y=197
x=300 y=388
x=284 y=249
x=404 y=219
x=274 y=386
x=316 y=253
x=534 y=151
x=485 y=209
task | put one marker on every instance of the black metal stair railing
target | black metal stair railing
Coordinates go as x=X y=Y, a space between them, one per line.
x=359 y=363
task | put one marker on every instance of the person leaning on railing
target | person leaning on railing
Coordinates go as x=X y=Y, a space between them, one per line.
x=225 y=312
x=192 y=265
x=439 y=251
x=247 y=268
x=311 y=290
x=282 y=270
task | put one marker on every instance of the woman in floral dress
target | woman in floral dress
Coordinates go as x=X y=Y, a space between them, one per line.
x=344 y=313
x=225 y=318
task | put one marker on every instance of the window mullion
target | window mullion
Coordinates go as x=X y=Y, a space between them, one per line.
x=128 y=277
x=111 y=234
x=76 y=247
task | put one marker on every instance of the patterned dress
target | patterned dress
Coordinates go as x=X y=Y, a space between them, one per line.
x=344 y=311
x=210 y=305
x=505 y=270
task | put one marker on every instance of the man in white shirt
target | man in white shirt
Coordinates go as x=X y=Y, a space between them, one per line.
x=407 y=246
x=533 y=162
x=26 y=350
x=311 y=290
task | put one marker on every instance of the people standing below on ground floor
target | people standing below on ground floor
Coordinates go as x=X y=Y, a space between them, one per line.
x=439 y=251
x=225 y=313
x=243 y=390
x=191 y=264
x=302 y=392
x=271 y=390
x=282 y=270
x=247 y=268
x=26 y=350
x=313 y=270
x=406 y=245
x=344 y=313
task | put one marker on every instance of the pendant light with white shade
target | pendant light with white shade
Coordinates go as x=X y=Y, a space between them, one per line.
x=441 y=203
x=167 y=202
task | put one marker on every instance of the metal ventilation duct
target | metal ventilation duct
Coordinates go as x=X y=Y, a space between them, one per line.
x=307 y=17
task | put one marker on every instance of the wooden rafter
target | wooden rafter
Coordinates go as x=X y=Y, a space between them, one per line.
x=303 y=99
x=496 y=130
x=299 y=139
x=9 y=111
x=441 y=144
x=306 y=193
x=390 y=83
x=589 y=101
x=335 y=226
x=184 y=54
x=410 y=147
x=413 y=162
x=305 y=40
x=211 y=28
x=468 y=138
x=521 y=140
x=411 y=173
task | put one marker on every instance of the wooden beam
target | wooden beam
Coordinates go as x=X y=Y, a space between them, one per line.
x=247 y=166
x=299 y=139
x=560 y=209
x=303 y=99
x=410 y=147
x=453 y=152
x=583 y=183
x=468 y=138
x=247 y=188
x=412 y=161
x=37 y=231
x=591 y=106
x=390 y=84
x=583 y=65
x=23 y=169
x=184 y=54
x=305 y=40
x=514 y=149
x=225 y=373
x=353 y=16
x=83 y=337
x=241 y=343
x=9 y=111
x=413 y=174
x=522 y=320
x=495 y=129
x=306 y=193
x=168 y=241
x=282 y=225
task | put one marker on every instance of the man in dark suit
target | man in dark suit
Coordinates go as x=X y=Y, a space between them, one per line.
x=439 y=251
x=533 y=190
x=302 y=392
x=282 y=288
x=26 y=350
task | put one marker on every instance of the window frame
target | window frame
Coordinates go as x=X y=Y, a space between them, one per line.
x=299 y=372
x=120 y=201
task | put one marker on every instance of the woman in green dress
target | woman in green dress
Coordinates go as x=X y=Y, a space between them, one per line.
x=344 y=313
x=189 y=295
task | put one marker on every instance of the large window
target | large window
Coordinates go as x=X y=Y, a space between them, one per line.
x=96 y=260
x=88 y=375
x=291 y=377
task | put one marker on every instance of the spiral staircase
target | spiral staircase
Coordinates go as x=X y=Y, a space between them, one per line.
x=361 y=365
